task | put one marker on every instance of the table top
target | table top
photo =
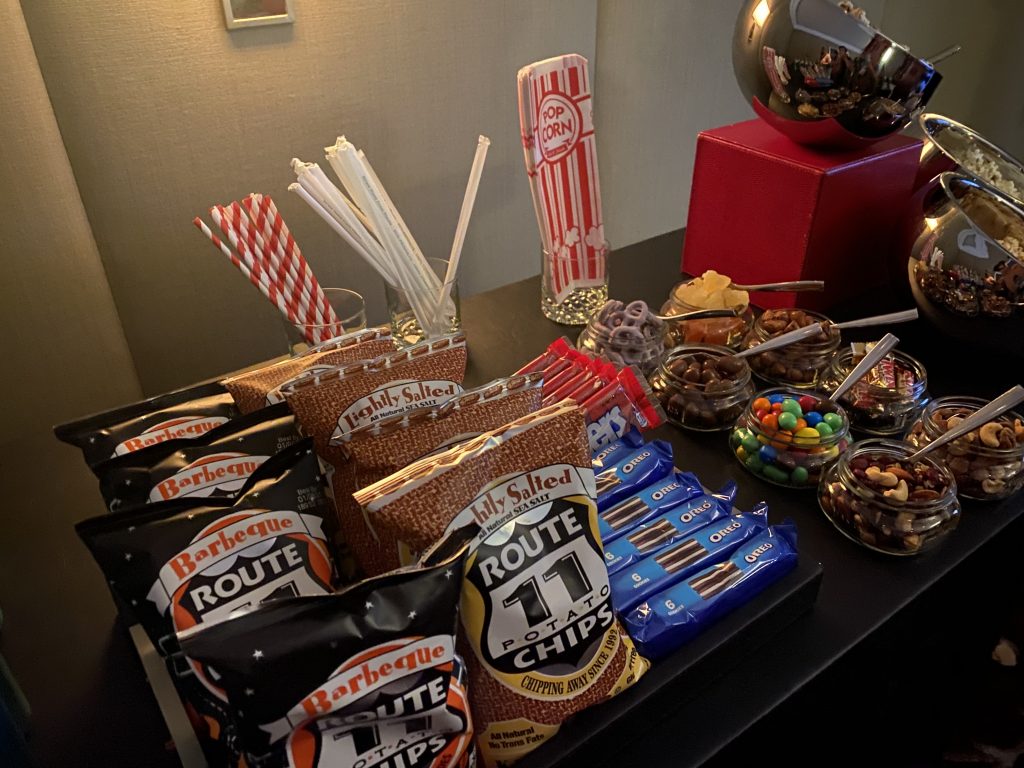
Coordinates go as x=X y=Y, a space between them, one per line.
x=92 y=706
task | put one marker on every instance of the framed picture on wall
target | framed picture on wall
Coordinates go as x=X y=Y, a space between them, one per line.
x=239 y=14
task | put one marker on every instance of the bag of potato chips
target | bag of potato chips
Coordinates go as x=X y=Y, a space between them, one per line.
x=535 y=601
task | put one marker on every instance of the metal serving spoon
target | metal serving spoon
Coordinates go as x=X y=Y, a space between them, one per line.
x=983 y=415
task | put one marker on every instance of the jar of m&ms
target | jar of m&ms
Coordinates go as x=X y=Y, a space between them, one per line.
x=788 y=437
x=800 y=364
x=879 y=498
x=703 y=387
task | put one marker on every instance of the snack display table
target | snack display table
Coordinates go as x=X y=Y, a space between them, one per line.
x=92 y=705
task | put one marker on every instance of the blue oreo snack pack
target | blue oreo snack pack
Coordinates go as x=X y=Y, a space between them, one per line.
x=673 y=523
x=663 y=494
x=634 y=471
x=709 y=544
x=611 y=453
x=675 y=615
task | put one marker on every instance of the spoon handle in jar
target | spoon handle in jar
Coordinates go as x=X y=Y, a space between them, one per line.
x=782 y=341
x=893 y=317
x=698 y=314
x=1006 y=401
x=870 y=360
x=792 y=285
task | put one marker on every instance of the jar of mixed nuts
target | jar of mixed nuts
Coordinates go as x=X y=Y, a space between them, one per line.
x=878 y=498
x=987 y=463
x=702 y=386
x=888 y=399
x=800 y=364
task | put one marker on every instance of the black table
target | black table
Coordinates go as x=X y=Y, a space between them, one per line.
x=92 y=705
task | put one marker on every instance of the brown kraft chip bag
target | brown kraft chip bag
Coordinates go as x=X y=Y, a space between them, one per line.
x=329 y=405
x=386 y=446
x=535 y=604
x=253 y=390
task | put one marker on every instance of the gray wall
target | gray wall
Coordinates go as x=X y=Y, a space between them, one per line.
x=165 y=112
x=63 y=349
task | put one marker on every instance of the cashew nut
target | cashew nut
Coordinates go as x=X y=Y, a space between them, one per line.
x=992 y=486
x=899 y=493
x=1018 y=430
x=886 y=479
x=952 y=421
x=989 y=434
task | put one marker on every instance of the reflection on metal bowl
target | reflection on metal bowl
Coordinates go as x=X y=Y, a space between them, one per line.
x=823 y=76
x=952 y=146
x=966 y=265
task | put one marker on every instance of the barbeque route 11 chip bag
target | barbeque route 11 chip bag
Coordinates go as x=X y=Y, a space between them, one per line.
x=255 y=389
x=187 y=562
x=536 y=608
x=377 y=450
x=367 y=677
x=214 y=465
x=330 y=405
x=183 y=414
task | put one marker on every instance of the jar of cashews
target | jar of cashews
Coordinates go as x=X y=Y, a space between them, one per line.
x=625 y=334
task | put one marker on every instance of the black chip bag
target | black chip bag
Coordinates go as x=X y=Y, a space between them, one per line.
x=183 y=414
x=365 y=677
x=212 y=466
x=179 y=564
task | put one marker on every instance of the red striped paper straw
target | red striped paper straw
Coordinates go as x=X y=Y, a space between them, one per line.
x=263 y=286
x=296 y=294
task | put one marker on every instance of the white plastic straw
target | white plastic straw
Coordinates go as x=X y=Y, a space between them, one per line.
x=460 y=231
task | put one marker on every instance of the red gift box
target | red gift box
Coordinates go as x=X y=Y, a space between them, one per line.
x=765 y=209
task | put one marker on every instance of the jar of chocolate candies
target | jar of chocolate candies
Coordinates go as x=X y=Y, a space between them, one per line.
x=709 y=291
x=788 y=437
x=702 y=387
x=880 y=499
x=888 y=399
x=987 y=463
x=625 y=334
x=800 y=364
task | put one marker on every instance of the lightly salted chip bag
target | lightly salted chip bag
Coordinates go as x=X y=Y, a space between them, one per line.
x=379 y=449
x=331 y=404
x=260 y=387
x=365 y=677
x=535 y=612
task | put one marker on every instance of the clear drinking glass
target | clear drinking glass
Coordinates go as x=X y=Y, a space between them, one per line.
x=406 y=329
x=348 y=305
x=572 y=290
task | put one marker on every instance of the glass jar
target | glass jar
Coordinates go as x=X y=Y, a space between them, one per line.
x=720 y=331
x=794 y=452
x=984 y=468
x=572 y=287
x=691 y=402
x=874 y=408
x=639 y=345
x=881 y=522
x=798 y=365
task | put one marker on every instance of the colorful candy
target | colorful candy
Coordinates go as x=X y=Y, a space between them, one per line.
x=792 y=440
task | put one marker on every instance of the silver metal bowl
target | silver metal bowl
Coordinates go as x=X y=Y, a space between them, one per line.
x=823 y=77
x=950 y=145
x=965 y=266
